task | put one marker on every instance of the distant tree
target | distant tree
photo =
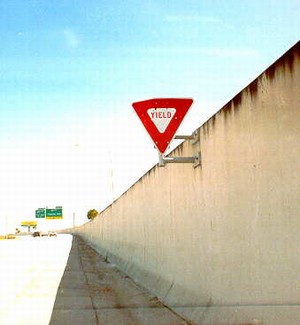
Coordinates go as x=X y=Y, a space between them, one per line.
x=92 y=214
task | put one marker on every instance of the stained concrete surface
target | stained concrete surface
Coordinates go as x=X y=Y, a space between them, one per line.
x=93 y=291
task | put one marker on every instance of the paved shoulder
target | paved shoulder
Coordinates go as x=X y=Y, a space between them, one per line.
x=92 y=291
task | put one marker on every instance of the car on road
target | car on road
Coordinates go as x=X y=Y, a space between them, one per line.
x=40 y=234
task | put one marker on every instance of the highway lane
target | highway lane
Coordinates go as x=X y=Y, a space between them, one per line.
x=30 y=273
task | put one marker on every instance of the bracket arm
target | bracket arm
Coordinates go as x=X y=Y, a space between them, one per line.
x=169 y=160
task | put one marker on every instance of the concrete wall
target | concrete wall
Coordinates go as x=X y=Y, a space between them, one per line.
x=220 y=243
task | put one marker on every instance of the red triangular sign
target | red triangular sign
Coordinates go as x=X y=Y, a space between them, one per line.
x=161 y=117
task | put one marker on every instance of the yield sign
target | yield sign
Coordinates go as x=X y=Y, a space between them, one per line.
x=161 y=117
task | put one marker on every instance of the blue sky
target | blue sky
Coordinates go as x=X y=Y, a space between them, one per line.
x=69 y=71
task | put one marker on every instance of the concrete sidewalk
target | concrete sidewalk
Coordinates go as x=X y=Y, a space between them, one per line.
x=92 y=291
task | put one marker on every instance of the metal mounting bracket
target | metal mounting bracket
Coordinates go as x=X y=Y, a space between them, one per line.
x=195 y=159
x=181 y=160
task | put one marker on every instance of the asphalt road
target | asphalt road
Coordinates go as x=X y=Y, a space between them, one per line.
x=61 y=281
x=30 y=273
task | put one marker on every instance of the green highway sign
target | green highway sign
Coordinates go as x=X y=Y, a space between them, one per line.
x=40 y=213
x=54 y=213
